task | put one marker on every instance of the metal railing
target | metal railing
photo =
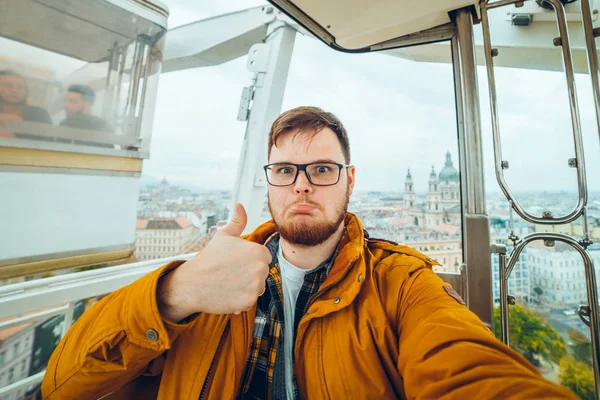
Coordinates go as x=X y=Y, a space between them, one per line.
x=577 y=162
x=587 y=313
x=41 y=299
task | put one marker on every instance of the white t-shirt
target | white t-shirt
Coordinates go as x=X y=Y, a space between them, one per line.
x=292 y=279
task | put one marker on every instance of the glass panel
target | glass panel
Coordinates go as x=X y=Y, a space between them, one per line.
x=548 y=282
x=533 y=113
x=26 y=348
x=407 y=173
x=83 y=82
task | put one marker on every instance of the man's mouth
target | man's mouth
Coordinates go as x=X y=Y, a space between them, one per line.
x=302 y=208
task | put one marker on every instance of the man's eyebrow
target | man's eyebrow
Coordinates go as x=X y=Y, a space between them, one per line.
x=322 y=160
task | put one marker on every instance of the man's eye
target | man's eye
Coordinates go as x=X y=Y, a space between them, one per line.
x=322 y=169
x=284 y=170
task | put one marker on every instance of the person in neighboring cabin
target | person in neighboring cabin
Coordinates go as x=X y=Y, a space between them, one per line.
x=78 y=104
x=307 y=306
x=14 y=107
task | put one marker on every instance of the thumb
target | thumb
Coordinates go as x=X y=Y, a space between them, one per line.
x=236 y=226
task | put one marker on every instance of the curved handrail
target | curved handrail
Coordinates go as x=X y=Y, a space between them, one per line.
x=507 y=264
x=577 y=136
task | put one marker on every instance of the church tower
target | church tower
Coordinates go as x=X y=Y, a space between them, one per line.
x=409 y=191
x=433 y=195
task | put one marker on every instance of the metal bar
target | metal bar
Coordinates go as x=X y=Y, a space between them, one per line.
x=503 y=280
x=13 y=387
x=144 y=87
x=475 y=222
x=121 y=71
x=136 y=50
x=29 y=296
x=464 y=272
x=68 y=317
x=501 y=3
x=433 y=35
x=33 y=317
x=136 y=72
x=63 y=254
x=110 y=88
x=471 y=112
x=592 y=55
x=272 y=63
x=590 y=275
x=577 y=137
x=586 y=228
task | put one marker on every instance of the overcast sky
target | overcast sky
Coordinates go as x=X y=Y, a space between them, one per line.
x=399 y=114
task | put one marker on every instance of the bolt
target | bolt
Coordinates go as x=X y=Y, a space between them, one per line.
x=504 y=164
x=494 y=52
x=547 y=214
x=511 y=300
x=549 y=243
x=573 y=162
x=557 y=41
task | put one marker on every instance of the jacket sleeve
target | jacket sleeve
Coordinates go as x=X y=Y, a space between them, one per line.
x=118 y=339
x=446 y=352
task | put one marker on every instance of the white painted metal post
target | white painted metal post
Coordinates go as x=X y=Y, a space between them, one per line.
x=270 y=61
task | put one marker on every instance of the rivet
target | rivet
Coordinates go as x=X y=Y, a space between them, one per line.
x=336 y=300
x=360 y=277
x=152 y=335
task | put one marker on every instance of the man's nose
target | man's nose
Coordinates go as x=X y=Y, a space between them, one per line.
x=302 y=184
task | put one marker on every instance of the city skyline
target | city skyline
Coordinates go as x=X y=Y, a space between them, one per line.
x=399 y=114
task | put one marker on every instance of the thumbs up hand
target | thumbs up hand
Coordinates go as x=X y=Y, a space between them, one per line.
x=227 y=277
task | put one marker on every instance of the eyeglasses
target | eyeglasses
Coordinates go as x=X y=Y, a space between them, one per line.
x=318 y=173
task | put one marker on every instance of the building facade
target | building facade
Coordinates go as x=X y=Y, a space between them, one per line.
x=16 y=347
x=558 y=275
x=164 y=237
x=442 y=205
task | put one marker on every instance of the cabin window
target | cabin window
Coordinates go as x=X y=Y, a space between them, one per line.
x=91 y=95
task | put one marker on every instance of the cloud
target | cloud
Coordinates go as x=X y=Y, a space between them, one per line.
x=398 y=113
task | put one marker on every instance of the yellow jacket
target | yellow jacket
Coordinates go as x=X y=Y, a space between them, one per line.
x=381 y=327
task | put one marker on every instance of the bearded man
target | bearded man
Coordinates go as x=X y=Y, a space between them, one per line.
x=306 y=306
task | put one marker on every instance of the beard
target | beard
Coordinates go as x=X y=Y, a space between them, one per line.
x=310 y=233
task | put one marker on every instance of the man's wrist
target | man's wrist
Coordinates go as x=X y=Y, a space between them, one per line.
x=168 y=298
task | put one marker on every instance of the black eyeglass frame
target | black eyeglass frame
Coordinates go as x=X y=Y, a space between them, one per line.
x=302 y=167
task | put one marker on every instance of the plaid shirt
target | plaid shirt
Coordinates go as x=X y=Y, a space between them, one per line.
x=264 y=377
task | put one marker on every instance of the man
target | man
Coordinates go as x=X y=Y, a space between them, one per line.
x=306 y=306
x=78 y=104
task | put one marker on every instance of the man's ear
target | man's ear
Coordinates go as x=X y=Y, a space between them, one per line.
x=351 y=174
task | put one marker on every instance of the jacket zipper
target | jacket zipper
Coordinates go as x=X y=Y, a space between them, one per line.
x=209 y=375
x=208 y=379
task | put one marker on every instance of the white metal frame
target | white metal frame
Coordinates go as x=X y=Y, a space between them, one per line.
x=59 y=294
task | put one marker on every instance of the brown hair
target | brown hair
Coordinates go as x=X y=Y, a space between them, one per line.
x=308 y=120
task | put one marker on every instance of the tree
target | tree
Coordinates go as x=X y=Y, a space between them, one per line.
x=531 y=336
x=577 y=376
x=581 y=346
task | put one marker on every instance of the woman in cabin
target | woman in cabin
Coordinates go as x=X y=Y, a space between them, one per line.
x=13 y=104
